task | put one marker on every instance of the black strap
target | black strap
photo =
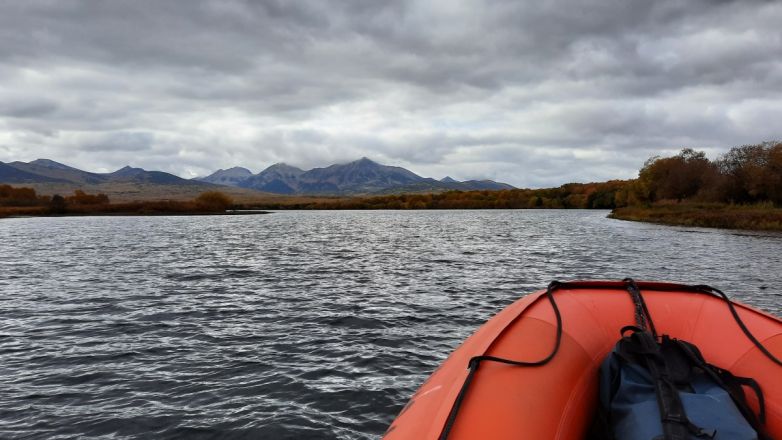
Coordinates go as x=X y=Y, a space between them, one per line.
x=730 y=382
x=711 y=290
x=642 y=316
x=733 y=385
x=642 y=347
x=476 y=361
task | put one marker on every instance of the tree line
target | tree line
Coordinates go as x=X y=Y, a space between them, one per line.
x=744 y=175
x=571 y=195
x=22 y=196
x=25 y=201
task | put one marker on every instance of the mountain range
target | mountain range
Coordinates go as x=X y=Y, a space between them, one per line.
x=48 y=177
x=49 y=171
x=362 y=176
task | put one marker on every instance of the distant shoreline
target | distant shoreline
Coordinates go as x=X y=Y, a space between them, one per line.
x=719 y=216
x=5 y=214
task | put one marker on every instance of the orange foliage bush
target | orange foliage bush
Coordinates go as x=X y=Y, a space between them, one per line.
x=746 y=174
x=79 y=197
x=11 y=196
x=214 y=201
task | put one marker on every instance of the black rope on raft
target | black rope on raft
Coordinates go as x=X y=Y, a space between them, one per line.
x=717 y=292
x=642 y=316
x=476 y=361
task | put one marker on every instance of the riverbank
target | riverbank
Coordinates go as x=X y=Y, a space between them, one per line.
x=25 y=202
x=761 y=217
x=127 y=209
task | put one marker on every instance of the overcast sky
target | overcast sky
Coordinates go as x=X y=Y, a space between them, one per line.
x=533 y=93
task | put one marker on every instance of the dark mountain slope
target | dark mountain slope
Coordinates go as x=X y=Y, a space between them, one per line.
x=279 y=178
x=231 y=177
x=361 y=176
x=485 y=184
x=140 y=175
x=55 y=170
x=12 y=174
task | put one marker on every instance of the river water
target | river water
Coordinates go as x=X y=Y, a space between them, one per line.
x=296 y=324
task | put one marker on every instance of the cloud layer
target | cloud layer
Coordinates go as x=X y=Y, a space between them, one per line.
x=531 y=93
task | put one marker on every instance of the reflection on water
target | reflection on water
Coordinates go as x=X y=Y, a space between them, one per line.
x=296 y=324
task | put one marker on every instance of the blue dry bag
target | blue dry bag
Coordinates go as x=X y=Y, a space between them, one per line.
x=665 y=390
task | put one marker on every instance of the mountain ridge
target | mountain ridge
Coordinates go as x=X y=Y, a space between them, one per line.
x=362 y=176
x=279 y=178
x=48 y=177
x=230 y=176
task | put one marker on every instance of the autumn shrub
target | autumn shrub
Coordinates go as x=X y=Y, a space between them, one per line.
x=214 y=201
x=79 y=197
x=15 y=196
x=58 y=205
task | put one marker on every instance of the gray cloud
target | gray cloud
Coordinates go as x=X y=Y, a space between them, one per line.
x=119 y=141
x=533 y=93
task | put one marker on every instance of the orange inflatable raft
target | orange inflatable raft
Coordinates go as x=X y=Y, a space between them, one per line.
x=557 y=400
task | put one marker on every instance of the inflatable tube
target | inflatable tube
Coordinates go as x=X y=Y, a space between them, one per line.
x=558 y=400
